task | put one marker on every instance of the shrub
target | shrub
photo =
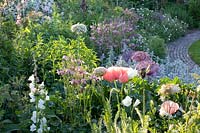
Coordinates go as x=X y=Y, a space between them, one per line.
x=180 y=11
x=194 y=11
x=162 y=25
x=157 y=46
x=116 y=33
x=20 y=9
x=8 y=58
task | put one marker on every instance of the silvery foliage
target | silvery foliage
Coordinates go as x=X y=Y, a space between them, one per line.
x=177 y=68
x=25 y=6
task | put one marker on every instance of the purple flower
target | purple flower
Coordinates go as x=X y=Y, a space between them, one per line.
x=140 y=56
x=150 y=66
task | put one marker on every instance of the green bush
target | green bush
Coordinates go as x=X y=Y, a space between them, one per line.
x=8 y=59
x=180 y=11
x=195 y=11
x=162 y=25
x=157 y=46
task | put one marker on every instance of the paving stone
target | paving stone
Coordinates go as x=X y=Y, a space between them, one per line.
x=179 y=48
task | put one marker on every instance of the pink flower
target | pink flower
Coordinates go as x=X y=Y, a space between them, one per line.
x=148 y=65
x=140 y=56
x=168 y=108
x=122 y=74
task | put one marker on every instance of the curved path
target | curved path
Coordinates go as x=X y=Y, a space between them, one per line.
x=179 y=48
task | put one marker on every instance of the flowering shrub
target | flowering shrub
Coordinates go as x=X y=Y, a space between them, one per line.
x=20 y=9
x=115 y=33
x=79 y=28
x=162 y=25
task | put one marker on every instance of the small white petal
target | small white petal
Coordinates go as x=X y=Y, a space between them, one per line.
x=47 y=98
x=41 y=104
x=34 y=116
x=32 y=127
x=132 y=73
x=31 y=78
x=127 y=101
x=41 y=86
x=137 y=102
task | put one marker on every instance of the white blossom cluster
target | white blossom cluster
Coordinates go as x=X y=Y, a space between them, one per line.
x=38 y=96
x=79 y=28
x=20 y=8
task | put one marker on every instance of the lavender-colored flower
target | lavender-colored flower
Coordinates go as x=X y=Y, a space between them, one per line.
x=140 y=56
x=150 y=67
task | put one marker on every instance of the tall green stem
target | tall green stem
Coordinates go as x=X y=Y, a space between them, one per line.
x=143 y=100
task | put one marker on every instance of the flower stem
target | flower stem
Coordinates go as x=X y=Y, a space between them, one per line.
x=143 y=100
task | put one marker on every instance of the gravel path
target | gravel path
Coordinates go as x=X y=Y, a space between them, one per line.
x=179 y=48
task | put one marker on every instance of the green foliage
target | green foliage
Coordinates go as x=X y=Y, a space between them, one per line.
x=194 y=11
x=157 y=46
x=80 y=101
x=180 y=11
x=89 y=13
x=163 y=25
x=8 y=59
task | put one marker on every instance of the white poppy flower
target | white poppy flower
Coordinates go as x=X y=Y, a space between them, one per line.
x=127 y=101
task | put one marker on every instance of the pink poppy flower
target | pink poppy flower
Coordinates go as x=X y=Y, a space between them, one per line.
x=140 y=56
x=168 y=108
x=122 y=74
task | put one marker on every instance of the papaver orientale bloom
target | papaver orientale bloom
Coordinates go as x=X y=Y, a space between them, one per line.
x=122 y=74
x=169 y=88
x=127 y=101
x=150 y=66
x=140 y=56
x=168 y=108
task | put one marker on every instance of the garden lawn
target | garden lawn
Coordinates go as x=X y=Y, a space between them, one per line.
x=194 y=52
